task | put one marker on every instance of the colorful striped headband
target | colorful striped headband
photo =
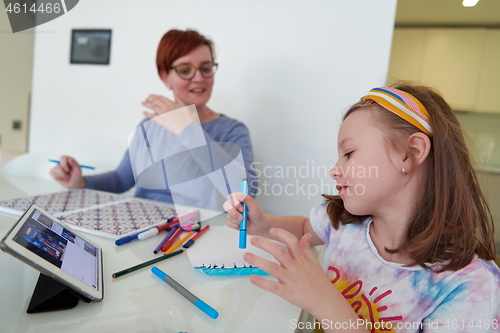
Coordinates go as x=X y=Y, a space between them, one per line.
x=402 y=104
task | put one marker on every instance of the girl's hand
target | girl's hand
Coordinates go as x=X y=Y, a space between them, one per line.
x=256 y=218
x=160 y=105
x=68 y=173
x=301 y=280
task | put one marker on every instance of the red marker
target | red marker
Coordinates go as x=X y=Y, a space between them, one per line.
x=198 y=235
x=165 y=239
x=172 y=239
x=155 y=231
x=165 y=226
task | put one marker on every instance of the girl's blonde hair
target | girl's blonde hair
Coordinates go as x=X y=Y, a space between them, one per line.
x=452 y=221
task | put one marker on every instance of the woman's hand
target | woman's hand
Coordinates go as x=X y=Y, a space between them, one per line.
x=301 y=280
x=68 y=173
x=160 y=105
x=257 y=224
x=176 y=121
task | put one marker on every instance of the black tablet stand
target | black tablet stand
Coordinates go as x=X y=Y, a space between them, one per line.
x=51 y=295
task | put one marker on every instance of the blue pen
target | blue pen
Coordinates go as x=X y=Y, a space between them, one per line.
x=211 y=312
x=81 y=166
x=128 y=239
x=243 y=224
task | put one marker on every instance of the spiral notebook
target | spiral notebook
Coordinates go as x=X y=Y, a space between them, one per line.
x=99 y=213
x=217 y=253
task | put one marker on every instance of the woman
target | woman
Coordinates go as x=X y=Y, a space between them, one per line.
x=185 y=63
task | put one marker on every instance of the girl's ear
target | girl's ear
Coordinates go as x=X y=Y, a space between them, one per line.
x=164 y=79
x=420 y=146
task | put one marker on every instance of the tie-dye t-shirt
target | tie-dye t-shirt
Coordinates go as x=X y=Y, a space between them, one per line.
x=406 y=299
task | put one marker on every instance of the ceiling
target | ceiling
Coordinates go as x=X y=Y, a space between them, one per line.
x=447 y=13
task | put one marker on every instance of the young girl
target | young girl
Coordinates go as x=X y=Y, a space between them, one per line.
x=408 y=242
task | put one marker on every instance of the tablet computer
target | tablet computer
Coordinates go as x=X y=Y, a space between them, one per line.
x=48 y=245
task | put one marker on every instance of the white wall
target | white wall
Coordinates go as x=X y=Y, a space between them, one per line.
x=288 y=70
x=16 y=61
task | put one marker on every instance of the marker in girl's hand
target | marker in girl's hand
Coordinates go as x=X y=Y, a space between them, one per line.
x=243 y=224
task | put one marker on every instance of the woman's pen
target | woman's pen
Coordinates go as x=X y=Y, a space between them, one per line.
x=81 y=166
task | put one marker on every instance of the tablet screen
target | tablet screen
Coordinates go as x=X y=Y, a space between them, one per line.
x=61 y=247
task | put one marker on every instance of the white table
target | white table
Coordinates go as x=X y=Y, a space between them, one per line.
x=242 y=307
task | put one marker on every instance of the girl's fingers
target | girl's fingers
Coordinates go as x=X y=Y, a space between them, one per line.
x=305 y=245
x=276 y=250
x=291 y=242
x=228 y=207
x=233 y=203
x=234 y=216
x=270 y=267
x=234 y=219
x=232 y=224
x=271 y=286
x=232 y=213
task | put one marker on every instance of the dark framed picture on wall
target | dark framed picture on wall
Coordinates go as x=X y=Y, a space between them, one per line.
x=90 y=46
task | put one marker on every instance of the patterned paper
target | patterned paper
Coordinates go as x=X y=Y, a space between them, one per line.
x=100 y=213
x=60 y=202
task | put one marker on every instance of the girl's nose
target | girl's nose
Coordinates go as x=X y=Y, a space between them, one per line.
x=335 y=172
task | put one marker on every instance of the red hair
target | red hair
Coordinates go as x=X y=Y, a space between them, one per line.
x=177 y=43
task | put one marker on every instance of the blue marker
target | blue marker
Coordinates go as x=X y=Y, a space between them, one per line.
x=128 y=239
x=211 y=312
x=81 y=166
x=243 y=224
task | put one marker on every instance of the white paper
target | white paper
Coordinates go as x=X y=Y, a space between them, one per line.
x=219 y=247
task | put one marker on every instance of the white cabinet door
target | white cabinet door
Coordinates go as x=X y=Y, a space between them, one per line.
x=406 y=56
x=489 y=83
x=451 y=63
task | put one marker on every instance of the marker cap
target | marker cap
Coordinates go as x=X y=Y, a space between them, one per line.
x=124 y=240
x=211 y=312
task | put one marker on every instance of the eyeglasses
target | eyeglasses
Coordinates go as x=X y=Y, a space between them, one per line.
x=187 y=72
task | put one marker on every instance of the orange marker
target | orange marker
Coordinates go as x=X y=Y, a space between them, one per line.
x=173 y=247
x=198 y=235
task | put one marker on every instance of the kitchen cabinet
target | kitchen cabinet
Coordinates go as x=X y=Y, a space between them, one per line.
x=462 y=63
